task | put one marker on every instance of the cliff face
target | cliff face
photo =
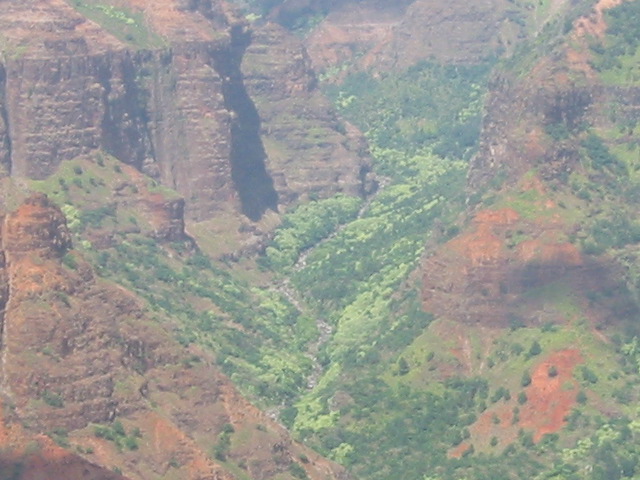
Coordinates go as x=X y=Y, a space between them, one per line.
x=176 y=109
x=77 y=351
x=298 y=122
x=534 y=159
x=381 y=37
x=506 y=270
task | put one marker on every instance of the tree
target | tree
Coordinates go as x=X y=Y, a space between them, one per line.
x=403 y=366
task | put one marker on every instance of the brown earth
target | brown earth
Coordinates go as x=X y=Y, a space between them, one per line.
x=585 y=30
x=550 y=398
x=481 y=275
x=37 y=457
x=498 y=266
x=378 y=38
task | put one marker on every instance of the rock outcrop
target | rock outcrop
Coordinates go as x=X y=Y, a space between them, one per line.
x=499 y=272
x=532 y=149
x=298 y=122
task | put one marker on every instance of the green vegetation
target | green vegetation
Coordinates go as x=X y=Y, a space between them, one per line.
x=60 y=436
x=394 y=398
x=427 y=106
x=221 y=449
x=357 y=278
x=617 y=57
x=306 y=226
x=128 y=26
x=298 y=471
x=117 y=434
x=52 y=399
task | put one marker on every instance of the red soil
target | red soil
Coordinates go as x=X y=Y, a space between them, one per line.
x=460 y=450
x=482 y=245
x=586 y=28
x=550 y=398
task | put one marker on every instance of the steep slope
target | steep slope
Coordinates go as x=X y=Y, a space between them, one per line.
x=84 y=363
x=473 y=318
x=381 y=36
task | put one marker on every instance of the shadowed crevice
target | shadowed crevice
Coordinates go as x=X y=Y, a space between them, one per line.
x=5 y=136
x=248 y=170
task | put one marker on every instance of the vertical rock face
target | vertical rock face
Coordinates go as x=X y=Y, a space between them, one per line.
x=248 y=171
x=177 y=110
x=36 y=227
x=310 y=150
x=379 y=36
x=518 y=118
x=191 y=129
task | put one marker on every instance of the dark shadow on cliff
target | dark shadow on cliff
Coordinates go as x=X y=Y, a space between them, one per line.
x=510 y=293
x=248 y=170
x=5 y=137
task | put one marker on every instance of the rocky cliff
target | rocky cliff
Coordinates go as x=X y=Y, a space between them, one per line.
x=160 y=88
x=83 y=362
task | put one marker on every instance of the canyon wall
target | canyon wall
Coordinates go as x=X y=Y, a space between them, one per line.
x=176 y=108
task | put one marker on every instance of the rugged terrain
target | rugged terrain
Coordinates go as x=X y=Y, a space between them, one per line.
x=79 y=353
x=406 y=232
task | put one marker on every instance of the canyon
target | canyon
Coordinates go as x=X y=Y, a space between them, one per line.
x=214 y=266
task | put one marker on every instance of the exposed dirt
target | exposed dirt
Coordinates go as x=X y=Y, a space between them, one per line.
x=595 y=25
x=480 y=275
x=482 y=244
x=369 y=37
x=460 y=450
x=550 y=397
x=586 y=29
x=37 y=457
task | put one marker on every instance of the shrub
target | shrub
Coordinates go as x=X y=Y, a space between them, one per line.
x=588 y=375
x=403 y=366
x=52 y=399
x=130 y=443
x=522 y=398
x=297 y=471
x=69 y=261
x=535 y=349
x=581 y=398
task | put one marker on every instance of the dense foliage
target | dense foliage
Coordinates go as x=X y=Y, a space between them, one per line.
x=406 y=111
